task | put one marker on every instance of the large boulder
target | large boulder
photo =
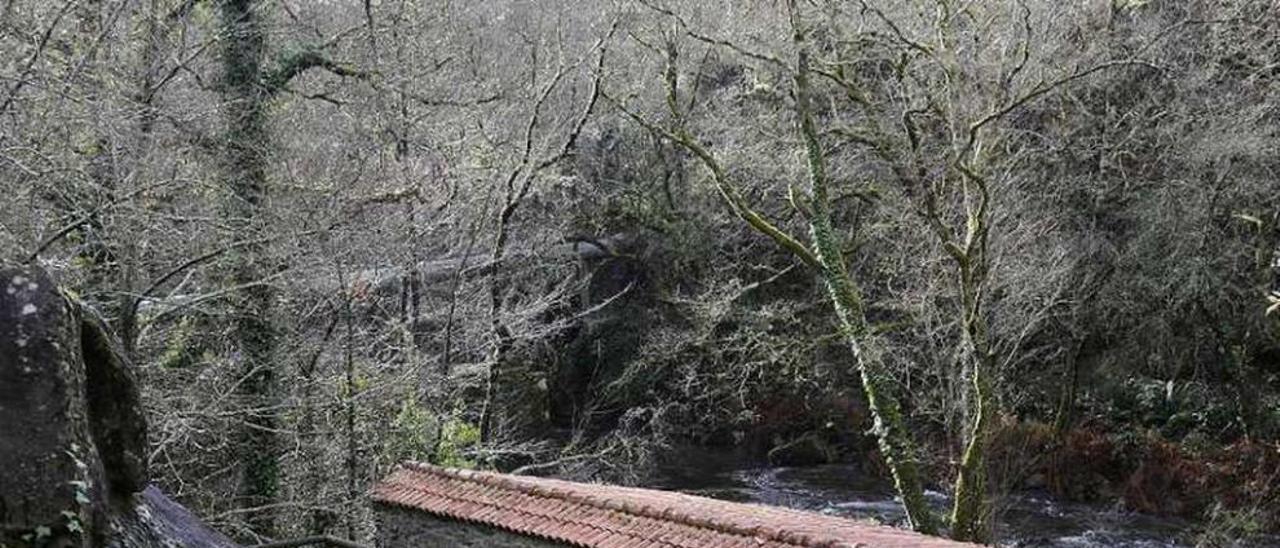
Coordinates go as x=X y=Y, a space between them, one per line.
x=73 y=436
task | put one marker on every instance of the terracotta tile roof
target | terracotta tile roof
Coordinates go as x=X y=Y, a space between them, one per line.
x=606 y=516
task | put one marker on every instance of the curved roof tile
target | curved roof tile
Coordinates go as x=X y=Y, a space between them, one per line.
x=594 y=515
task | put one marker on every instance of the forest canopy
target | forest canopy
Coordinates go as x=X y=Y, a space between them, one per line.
x=976 y=247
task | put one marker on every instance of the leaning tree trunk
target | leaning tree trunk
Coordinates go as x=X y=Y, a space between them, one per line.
x=824 y=255
x=895 y=441
x=253 y=334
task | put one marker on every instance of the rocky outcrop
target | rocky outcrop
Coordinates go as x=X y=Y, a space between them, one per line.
x=73 y=436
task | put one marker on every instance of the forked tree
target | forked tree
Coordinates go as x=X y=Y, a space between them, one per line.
x=934 y=129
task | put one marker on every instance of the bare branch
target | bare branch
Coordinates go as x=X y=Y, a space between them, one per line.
x=80 y=221
x=725 y=187
x=303 y=61
x=1040 y=90
x=713 y=41
x=569 y=143
x=35 y=55
x=897 y=31
x=433 y=102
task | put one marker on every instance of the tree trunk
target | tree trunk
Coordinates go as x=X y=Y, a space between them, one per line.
x=502 y=339
x=353 y=390
x=154 y=31
x=969 y=510
x=895 y=441
x=253 y=333
x=1065 y=417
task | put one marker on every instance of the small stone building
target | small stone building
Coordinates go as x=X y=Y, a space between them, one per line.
x=423 y=505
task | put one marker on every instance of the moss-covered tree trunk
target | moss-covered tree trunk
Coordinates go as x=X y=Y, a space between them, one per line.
x=894 y=439
x=823 y=254
x=968 y=513
x=253 y=333
x=148 y=77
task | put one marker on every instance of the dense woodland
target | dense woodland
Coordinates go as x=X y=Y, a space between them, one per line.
x=975 y=245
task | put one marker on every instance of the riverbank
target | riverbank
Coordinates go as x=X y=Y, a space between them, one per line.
x=1222 y=488
x=1083 y=487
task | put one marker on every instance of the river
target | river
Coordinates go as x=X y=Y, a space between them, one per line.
x=1024 y=519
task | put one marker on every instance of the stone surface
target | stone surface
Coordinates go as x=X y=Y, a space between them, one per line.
x=46 y=449
x=115 y=407
x=74 y=440
x=155 y=520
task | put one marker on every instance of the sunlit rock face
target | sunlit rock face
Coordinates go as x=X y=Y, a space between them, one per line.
x=72 y=432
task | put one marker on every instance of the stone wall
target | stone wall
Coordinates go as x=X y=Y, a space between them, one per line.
x=400 y=528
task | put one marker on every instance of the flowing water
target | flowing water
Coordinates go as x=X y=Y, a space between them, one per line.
x=1024 y=519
